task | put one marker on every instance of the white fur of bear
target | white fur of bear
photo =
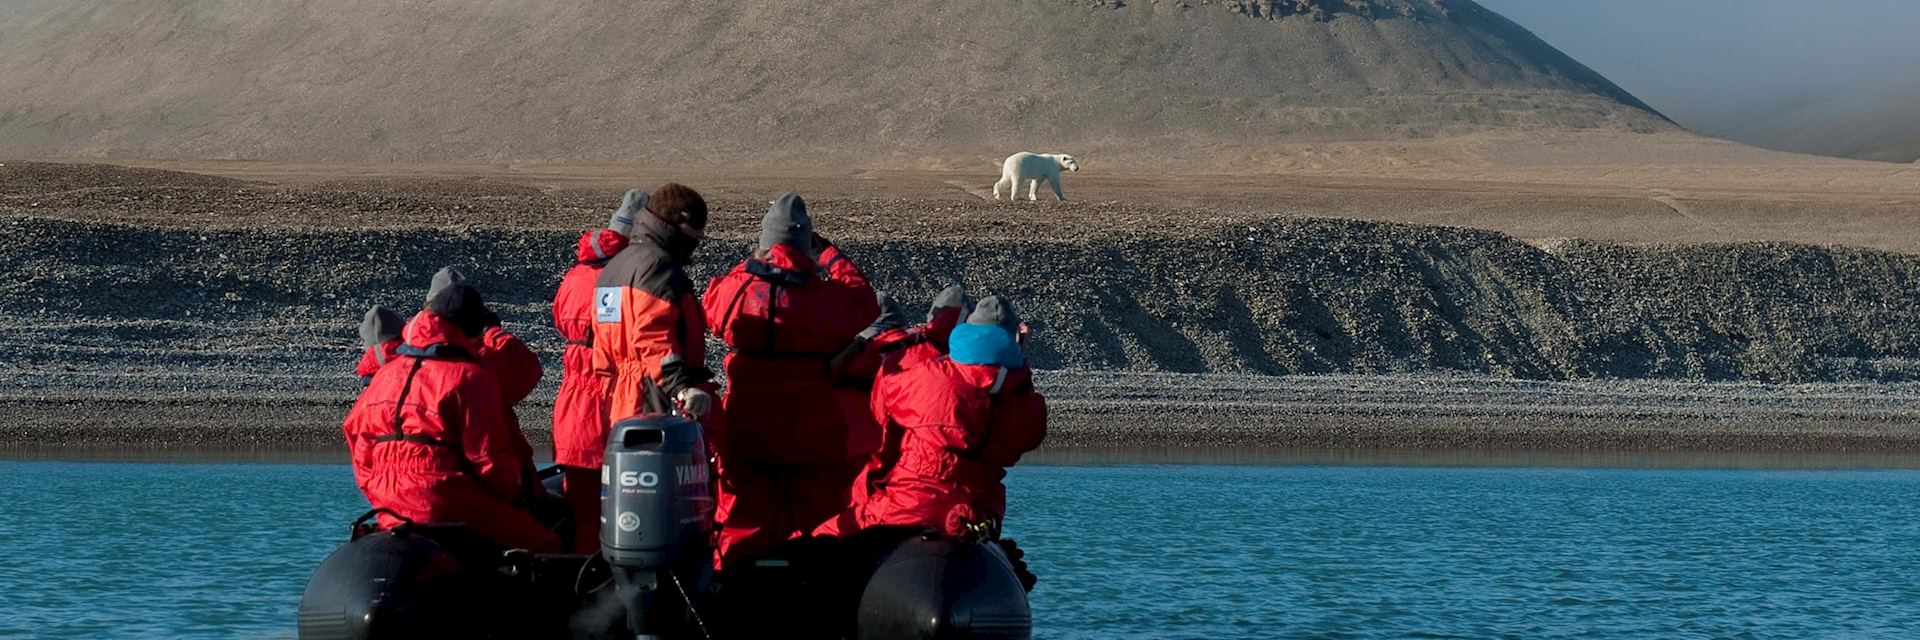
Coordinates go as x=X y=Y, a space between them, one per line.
x=1031 y=168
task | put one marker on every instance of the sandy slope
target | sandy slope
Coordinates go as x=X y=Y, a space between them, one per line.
x=873 y=83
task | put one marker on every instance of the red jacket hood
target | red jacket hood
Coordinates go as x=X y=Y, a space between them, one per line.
x=427 y=329
x=790 y=259
x=598 y=246
x=986 y=376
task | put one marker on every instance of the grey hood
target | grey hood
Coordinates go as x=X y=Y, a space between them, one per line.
x=380 y=325
x=891 y=316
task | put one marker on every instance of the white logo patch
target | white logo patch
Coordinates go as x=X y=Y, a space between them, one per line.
x=606 y=304
x=629 y=522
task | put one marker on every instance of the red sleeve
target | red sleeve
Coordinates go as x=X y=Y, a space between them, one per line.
x=485 y=436
x=354 y=426
x=722 y=301
x=1019 y=426
x=840 y=269
x=690 y=343
x=368 y=363
x=713 y=304
x=512 y=363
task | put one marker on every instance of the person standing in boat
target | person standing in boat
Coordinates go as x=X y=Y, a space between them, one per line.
x=961 y=420
x=785 y=458
x=379 y=340
x=580 y=410
x=648 y=333
x=429 y=438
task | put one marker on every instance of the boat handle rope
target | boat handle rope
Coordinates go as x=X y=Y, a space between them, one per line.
x=687 y=598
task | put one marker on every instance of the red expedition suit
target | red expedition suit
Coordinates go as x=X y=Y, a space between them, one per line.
x=853 y=380
x=580 y=410
x=957 y=428
x=430 y=442
x=785 y=458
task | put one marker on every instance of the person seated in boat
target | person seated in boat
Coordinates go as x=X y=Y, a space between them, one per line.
x=514 y=365
x=429 y=437
x=786 y=450
x=894 y=348
x=379 y=339
x=960 y=420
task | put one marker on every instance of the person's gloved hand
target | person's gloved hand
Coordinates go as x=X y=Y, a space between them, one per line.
x=1017 y=558
x=694 y=402
x=630 y=207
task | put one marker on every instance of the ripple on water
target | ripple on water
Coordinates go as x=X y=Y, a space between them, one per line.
x=1197 y=551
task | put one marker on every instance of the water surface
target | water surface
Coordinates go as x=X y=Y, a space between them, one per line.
x=1160 y=551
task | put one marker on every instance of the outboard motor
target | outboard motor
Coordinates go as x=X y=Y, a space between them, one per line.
x=655 y=516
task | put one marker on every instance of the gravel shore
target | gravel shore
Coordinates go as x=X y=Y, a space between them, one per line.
x=198 y=410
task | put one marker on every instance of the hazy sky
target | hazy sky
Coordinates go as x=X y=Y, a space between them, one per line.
x=1726 y=64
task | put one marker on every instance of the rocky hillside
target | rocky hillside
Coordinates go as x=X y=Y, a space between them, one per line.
x=877 y=83
x=84 y=289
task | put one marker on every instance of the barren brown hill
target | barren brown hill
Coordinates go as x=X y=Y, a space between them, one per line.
x=901 y=84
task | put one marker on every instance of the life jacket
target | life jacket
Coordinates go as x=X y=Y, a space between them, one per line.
x=784 y=324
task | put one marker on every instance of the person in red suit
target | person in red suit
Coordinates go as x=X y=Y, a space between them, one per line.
x=429 y=438
x=785 y=450
x=961 y=419
x=580 y=418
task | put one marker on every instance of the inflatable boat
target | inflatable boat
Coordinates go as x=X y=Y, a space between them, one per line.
x=653 y=576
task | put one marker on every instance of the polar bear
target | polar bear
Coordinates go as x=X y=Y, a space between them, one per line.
x=1031 y=168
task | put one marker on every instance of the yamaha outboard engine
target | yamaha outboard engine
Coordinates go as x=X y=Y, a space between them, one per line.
x=655 y=517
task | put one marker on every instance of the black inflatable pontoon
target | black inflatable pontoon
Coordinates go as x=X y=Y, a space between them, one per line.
x=653 y=578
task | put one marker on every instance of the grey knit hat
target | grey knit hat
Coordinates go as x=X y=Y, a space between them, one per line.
x=953 y=297
x=787 y=223
x=891 y=317
x=443 y=278
x=995 y=311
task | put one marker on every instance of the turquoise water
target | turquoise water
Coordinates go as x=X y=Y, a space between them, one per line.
x=1158 y=551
